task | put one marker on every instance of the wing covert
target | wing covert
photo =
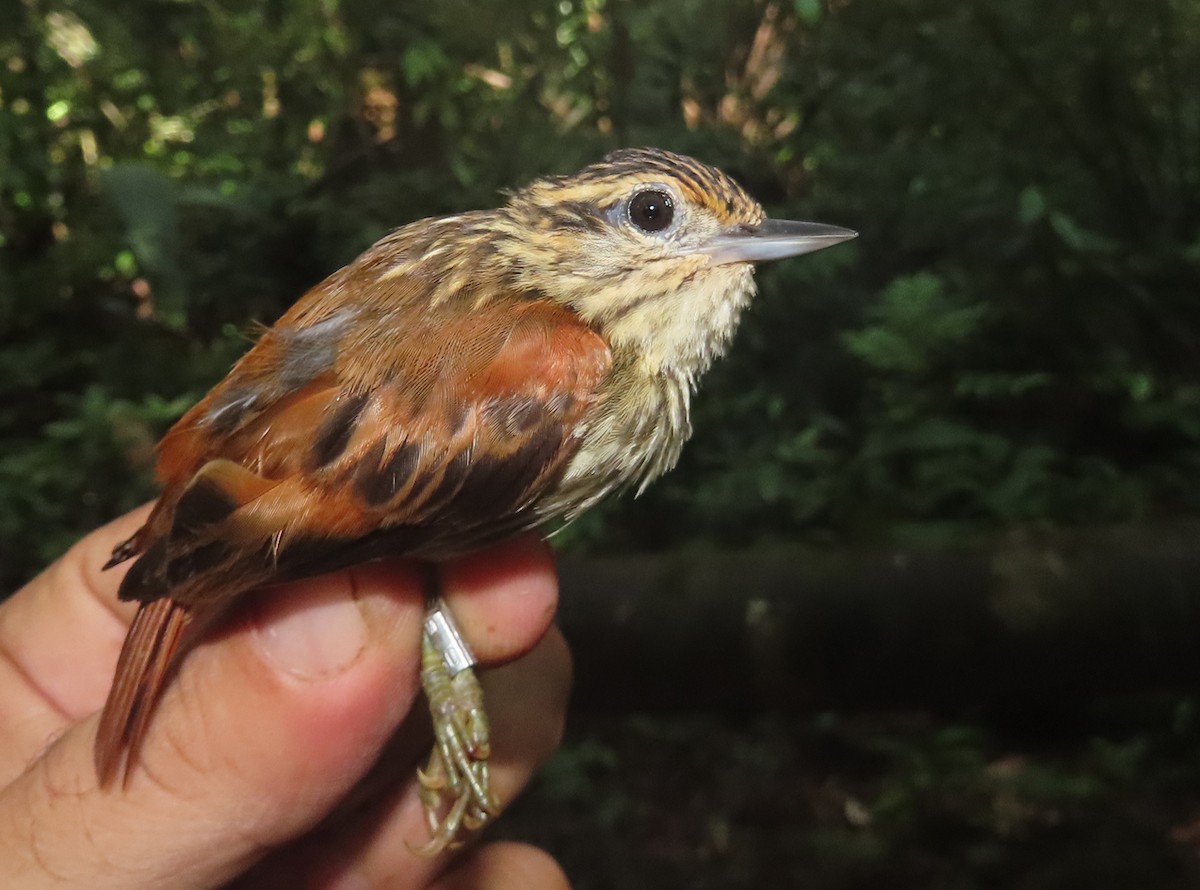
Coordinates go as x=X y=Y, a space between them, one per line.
x=444 y=437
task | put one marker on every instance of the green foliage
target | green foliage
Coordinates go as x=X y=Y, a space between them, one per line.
x=914 y=327
x=54 y=487
x=579 y=777
x=896 y=800
x=1014 y=338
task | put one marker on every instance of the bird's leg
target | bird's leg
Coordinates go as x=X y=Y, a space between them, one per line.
x=454 y=786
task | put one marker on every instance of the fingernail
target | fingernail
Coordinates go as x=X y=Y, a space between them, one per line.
x=313 y=629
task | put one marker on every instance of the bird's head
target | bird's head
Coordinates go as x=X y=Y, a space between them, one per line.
x=653 y=249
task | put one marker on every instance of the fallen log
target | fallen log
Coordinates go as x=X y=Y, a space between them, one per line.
x=1029 y=625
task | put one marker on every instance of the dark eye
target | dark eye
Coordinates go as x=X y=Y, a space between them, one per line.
x=651 y=210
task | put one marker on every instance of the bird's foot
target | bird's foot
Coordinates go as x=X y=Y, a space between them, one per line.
x=455 y=786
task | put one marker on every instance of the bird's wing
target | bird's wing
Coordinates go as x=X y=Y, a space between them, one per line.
x=424 y=443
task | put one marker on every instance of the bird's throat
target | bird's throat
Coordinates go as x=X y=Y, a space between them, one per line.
x=678 y=332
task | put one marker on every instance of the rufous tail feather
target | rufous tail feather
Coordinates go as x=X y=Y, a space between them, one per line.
x=145 y=664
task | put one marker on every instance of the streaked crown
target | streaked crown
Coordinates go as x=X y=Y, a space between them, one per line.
x=598 y=189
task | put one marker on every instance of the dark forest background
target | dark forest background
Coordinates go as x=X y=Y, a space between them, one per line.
x=997 y=382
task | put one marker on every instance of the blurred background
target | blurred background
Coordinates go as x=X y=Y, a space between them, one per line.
x=919 y=608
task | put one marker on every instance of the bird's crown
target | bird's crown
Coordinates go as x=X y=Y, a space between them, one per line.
x=610 y=191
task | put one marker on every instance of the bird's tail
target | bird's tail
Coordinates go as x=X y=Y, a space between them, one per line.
x=146 y=662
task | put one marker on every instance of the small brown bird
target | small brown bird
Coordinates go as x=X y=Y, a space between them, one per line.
x=466 y=378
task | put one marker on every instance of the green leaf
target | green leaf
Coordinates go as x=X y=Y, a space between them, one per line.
x=808 y=11
x=1032 y=205
x=1079 y=238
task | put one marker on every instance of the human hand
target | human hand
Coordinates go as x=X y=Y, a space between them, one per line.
x=283 y=753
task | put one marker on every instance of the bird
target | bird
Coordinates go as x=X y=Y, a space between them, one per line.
x=466 y=379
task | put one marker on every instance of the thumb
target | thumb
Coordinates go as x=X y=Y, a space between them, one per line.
x=262 y=731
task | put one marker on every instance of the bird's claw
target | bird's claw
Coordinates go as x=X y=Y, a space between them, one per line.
x=454 y=787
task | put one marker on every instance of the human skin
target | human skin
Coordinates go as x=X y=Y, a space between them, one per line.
x=283 y=753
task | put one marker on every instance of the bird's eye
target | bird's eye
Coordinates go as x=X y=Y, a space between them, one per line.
x=651 y=210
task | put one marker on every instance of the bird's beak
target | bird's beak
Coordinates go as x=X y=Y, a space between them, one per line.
x=773 y=239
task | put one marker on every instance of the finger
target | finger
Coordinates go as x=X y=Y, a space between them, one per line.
x=502 y=598
x=375 y=847
x=505 y=866
x=262 y=731
x=59 y=639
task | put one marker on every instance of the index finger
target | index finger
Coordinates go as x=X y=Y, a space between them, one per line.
x=59 y=639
